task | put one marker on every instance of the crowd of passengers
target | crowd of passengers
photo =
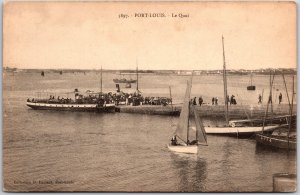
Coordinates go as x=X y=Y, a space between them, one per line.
x=109 y=98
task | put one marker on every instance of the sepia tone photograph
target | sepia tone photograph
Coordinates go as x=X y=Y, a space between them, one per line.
x=149 y=96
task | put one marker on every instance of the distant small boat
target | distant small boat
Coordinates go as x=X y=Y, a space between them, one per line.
x=124 y=80
x=42 y=73
x=183 y=129
x=251 y=87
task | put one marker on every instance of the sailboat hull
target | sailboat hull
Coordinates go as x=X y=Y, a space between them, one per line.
x=239 y=130
x=190 y=149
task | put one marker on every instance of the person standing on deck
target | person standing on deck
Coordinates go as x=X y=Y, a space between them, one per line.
x=280 y=98
x=174 y=141
x=213 y=101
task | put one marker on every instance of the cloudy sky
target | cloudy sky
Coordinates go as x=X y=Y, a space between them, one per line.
x=88 y=35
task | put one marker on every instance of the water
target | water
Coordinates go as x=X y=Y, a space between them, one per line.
x=126 y=152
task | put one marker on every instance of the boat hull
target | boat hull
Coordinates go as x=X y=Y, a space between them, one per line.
x=189 y=149
x=251 y=88
x=238 y=130
x=124 y=81
x=72 y=107
x=276 y=142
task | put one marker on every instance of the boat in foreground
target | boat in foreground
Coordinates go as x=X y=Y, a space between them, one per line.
x=238 y=130
x=283 y=137
x=188 y=149
x=180 y=142
x=276 y=141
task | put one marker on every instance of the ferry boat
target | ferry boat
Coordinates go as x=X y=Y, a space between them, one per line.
x=72 y=107
x=93 y=102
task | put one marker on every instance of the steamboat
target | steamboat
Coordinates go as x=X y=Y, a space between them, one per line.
x=91 y=102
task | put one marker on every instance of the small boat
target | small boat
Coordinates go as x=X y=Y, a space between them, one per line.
x=124 y=80
x=284 y=137
x=276 y=141
x=128 y=81
x=183 y=144
x=251 y=87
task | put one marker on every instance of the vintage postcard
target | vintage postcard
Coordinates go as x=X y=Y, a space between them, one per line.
x=149 y=96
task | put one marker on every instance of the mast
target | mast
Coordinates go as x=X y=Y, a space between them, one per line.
x=137 y=76
x=101 y=81
x=188 y=125
x=291 y=115
x=268 y=101
x=171 y=97
x=225 y=82
x=291 y=108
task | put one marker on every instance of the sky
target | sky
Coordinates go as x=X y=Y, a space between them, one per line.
x=88 y=35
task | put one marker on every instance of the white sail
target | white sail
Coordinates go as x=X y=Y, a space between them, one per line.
x=182 y=127
x=200 y=130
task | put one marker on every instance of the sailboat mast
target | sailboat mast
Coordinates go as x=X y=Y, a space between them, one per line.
x=225 y=83
x=291 y=110
x=137 y=76
x=171 y=97
x=101 y=80
x=188 y=127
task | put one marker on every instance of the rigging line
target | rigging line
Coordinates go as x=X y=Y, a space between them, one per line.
x=243 y=107
x=171 y=97
x=270 y=95
x=181 y=139
x=291 y=110
x=272 y=114
x=290 y=106
x=286 y=91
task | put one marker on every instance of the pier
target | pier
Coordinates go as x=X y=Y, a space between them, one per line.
x=234 y=111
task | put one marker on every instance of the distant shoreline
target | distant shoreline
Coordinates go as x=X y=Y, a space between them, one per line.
x=292 y=71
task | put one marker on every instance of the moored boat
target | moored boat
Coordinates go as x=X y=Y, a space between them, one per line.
x=124 y=80
x=277 y=141
x=72 y=107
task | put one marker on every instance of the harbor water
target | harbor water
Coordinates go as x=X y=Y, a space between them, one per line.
x=78 y=151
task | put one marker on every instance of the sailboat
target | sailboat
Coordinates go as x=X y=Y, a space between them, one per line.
x=234 y=127
x=251 y=86
x=182 y=136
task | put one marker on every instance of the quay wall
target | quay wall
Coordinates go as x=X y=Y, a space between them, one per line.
x=234 y=111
